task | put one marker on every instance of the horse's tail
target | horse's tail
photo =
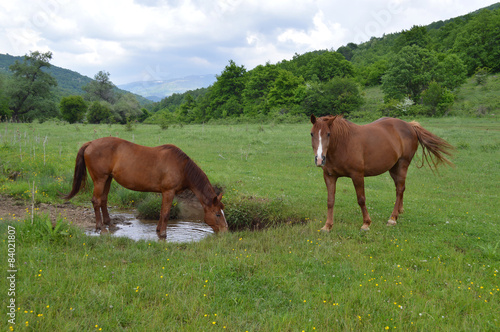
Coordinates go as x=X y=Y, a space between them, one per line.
x=435 y=149
x=80 y=176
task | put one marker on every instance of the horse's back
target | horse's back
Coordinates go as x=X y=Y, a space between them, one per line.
x=394 y=128
x=134 y=166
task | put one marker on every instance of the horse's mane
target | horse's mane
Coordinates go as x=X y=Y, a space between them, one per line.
x=196 y=178
x=339 y=127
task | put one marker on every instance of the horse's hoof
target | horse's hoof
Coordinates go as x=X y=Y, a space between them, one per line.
x=365 y=228
x=104 y=231
x=391 y=222
x=325 y=229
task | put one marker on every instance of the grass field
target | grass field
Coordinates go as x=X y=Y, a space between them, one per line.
x=438 y=269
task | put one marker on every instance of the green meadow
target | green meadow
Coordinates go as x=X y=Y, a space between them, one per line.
x=438 y=269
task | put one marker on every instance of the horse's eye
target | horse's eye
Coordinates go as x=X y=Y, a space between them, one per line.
x=312 y=135
x=328 y=134
x=217 y=215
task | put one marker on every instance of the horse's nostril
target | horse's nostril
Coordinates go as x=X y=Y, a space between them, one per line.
x=320 y=162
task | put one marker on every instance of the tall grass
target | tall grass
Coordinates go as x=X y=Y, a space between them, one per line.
x=438 y=269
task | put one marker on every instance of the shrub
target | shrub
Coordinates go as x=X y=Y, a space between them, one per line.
x=248 y=212
x=481 y=75
x=150 y=208
x=73 y=108
x=99 y=112
x=437 y=98
x=337 y=96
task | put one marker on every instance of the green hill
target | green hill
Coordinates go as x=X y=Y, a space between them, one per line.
x=68 y=82
x=454 y=49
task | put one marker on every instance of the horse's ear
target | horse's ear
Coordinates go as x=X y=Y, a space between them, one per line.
x=313 y=119
x=217 y=199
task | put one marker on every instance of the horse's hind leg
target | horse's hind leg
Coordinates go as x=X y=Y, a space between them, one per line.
x=398 y=174
x=99 y=186
x=100 y=202
x=104 y=201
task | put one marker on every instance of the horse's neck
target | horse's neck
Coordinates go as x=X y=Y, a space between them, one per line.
x=199 y=184
x=204 y=196
x=341 y=132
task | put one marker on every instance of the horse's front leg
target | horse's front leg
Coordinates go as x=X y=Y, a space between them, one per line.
x=331 y=183
x=359 y=185
x=166 y=204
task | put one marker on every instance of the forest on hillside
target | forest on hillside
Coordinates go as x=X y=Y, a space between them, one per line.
x=32 y=89
x=418 y=70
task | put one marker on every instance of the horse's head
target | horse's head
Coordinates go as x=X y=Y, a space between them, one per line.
x=320 y=137
x=214 y=215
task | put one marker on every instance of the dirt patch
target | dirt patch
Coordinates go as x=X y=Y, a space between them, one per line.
x=12 y=209
x=81 y=216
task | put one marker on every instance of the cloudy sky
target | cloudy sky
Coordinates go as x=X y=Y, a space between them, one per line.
x=138 y=40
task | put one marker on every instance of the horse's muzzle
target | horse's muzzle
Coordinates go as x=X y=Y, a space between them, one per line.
x=320 y=162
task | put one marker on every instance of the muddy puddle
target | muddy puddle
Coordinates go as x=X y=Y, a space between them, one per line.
x=127 y=225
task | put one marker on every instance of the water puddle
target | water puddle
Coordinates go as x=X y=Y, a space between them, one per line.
x=177 y=230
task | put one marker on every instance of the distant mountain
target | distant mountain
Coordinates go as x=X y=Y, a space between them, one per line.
x=68 y=82
x=157 y=90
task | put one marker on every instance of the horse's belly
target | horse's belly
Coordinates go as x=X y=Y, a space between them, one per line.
x=137 y=181
x=380 y=165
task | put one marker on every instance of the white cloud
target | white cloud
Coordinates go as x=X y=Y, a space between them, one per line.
x=184 y=37
x=323 y=35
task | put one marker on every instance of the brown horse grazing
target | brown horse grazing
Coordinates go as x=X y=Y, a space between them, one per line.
x=344 y=149
x=163 y=169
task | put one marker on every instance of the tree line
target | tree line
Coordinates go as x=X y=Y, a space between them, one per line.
x=419 y=71
x=28 y=94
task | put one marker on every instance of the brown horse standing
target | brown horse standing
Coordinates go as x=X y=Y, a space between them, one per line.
x=344 y=149
x=163 y=169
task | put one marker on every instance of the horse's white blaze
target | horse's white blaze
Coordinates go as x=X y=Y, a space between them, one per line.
x=319 y=152
x=224 y=216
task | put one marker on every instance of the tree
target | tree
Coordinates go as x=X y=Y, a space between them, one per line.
x=286 y=90
x=417 y=36
x=144 y=115
x=259 y=83
x=337 y=96
x=126 y=108
x=226 y=92
x=101 y=88
x=30 y=89
x=328 y=65
x=5 y=112
x=451 y=72
x=99 y=112
x=371 y=75
x=73 y=108
x=437 y=98
x=347 y=51
x=478 y=44
x=185 y=112
x=409 y=73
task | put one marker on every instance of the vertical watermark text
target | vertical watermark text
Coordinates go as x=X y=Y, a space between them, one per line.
x=11 y=274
